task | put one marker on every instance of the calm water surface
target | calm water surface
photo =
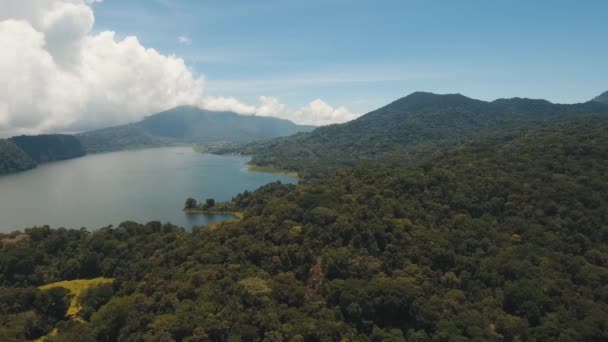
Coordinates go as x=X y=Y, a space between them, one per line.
x=144 y=185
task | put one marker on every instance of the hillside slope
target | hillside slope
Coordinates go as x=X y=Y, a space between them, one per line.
x=13 y=159
x=603 y=98
x=417 y=119
x=49 y=147
x=188 y=124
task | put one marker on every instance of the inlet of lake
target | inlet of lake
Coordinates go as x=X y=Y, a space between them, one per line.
x=141 y=185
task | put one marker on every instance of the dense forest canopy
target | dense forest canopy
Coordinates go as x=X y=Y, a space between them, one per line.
x=406 y=124
x=501 y=237
x=13 y=159
x=49 y=147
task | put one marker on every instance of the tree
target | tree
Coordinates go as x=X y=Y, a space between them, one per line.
x=190 y=203
x=209 y=203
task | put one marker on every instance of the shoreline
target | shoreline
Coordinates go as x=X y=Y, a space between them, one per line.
x=269 y=169
x=237 y=214
x=253 y=167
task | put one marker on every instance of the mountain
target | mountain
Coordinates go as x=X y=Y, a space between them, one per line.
x=13 y=159
x=187 y=124
x=49 y=147
x=603 y=98
x=417 y=119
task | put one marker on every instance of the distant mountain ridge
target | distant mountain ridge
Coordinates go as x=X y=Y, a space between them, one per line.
x=603 y=98
x=177 y=126
x=415 y=119
x=188 y=124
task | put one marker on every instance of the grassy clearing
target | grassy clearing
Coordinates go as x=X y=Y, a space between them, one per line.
x=268 y=169
x=77 y=287
x=53 y=332
x=238 y=216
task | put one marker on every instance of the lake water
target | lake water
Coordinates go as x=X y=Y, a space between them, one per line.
x=143 y=185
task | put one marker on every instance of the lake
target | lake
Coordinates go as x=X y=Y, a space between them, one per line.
x=142 y=185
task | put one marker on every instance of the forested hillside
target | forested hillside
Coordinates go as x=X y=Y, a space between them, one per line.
x=189 y=125
x=13 y=159
x=415 y=120
x=603 y=98
x=49 y=147
x=503 y=238
x=120 y=138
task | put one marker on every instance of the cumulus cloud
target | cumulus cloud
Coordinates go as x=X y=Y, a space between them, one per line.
x=316 y=113
x=59 y=76
x=319 y=112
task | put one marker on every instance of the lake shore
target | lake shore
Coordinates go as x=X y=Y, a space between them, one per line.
x=238 y=216
x=135 y=182
x=256 y=168
x=269 y=169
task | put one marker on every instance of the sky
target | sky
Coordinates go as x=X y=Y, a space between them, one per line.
x=75 y=65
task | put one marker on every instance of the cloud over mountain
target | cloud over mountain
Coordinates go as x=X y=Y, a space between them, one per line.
x=59 y=75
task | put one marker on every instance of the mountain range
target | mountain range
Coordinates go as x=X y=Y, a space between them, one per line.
x=475 y=221
x=189 y=125
x=414 y=120
x=185 y=125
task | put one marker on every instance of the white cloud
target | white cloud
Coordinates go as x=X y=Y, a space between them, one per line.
x=320 y=113
x=58 y=76
x=184 y=40
x=316 y=113
x=227 y=104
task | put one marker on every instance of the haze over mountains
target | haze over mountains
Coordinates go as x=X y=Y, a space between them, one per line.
x=184 y=125
x=189 y=125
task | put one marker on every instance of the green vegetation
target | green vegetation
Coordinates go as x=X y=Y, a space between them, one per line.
x=46 y=148
x=77 y=289
x=191 y=203
x=13 y=159
x=25 y=152
x=189 y=125
x=269 y=169
x=212 y=207
x=402 y=127
x=504 y=238
x=497 y=231
x=29 y=313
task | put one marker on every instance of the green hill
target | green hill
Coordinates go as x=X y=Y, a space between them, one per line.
x=415 y=120
x=188 y=124
x=603 y=98
x=13 y=159
x=49 y=147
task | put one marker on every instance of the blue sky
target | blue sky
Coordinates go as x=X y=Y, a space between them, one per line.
x=364 y=54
